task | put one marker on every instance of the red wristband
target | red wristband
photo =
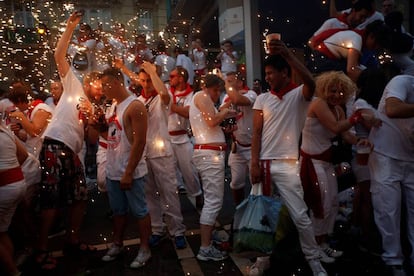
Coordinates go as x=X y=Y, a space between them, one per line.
x=355 y=118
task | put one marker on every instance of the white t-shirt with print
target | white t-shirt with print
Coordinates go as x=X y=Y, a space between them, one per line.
x=66 y=125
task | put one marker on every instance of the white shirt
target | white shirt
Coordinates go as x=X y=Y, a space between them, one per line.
x=340 y=42
x=283 y=121
x=158 y=139
x=177 y=122
x=395 y=138
x=199 y=59
x=66 y=125
x=187 y=64
x=244 y=130
x=34 y=143
x=228 y=64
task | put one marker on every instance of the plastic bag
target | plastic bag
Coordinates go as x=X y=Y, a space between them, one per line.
x=255 y=222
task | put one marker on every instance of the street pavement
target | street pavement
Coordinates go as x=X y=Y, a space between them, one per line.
x=166 y=260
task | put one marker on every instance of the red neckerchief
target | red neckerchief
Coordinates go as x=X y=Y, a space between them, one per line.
x=32 y=106
x=342 y=17
x=184 y=93
x=153 y=94
x=284 y=90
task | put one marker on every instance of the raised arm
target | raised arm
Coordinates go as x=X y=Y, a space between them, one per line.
x=206 y=106
x=278 y=47
x=159 y=85
x=63 y=44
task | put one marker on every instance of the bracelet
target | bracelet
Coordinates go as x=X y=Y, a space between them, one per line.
x=355 y=118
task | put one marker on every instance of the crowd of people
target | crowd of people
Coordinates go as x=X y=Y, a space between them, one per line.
x=164 y=124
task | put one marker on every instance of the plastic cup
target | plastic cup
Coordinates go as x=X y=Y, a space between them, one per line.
x=362 y=156
x=270 y=37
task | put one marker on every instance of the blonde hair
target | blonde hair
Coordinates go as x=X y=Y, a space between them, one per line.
x=326 y=81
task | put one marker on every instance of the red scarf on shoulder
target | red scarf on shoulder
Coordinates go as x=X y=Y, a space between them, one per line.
x=284 y=90
x=188 y=90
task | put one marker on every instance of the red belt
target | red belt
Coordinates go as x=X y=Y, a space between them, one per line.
x=177 y=132
x=103 y=144
x=11 y=176
x=210 y=147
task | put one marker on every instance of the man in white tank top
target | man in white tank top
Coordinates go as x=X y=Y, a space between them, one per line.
x=161 y=186
x=126 y=167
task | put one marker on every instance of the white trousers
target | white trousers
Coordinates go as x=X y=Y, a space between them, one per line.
x=392 y=184
x=210 y=165
x=184 y=156
x=329 y=196
x=285 y=175
x=162 y=197
x=239 y=163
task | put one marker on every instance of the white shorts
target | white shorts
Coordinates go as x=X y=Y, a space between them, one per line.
x=10 y=196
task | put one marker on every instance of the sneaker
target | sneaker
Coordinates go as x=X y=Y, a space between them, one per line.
x=112 y=253
x=258 y=268
x=317 y=268
x=155 y=240
x=141 y=259
x=330 y=252
x=211 y=253
x=180 y=242
x=323 y=257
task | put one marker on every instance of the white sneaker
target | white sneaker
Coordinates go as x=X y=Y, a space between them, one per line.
x=317 y=268
x=211 y=254
x=141 y=259
x=323 y=257
x=112 y=253
x=261 y=264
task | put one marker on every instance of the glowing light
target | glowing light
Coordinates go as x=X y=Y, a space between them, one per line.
x=160 y=144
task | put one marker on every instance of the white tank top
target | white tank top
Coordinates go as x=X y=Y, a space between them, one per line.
x=8 y=158
x=119 y=147
x=203 y=134
x=315 y=137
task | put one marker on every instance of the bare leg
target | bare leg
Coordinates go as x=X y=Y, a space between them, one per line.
x=144 y=226
x=205 y=231
x=76 y=214
x=6 y=254
x=47 y=218
x=238 y=196
x=119 y=228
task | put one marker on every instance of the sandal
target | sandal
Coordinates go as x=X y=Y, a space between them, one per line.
x=44 y=261
x=79 y=248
